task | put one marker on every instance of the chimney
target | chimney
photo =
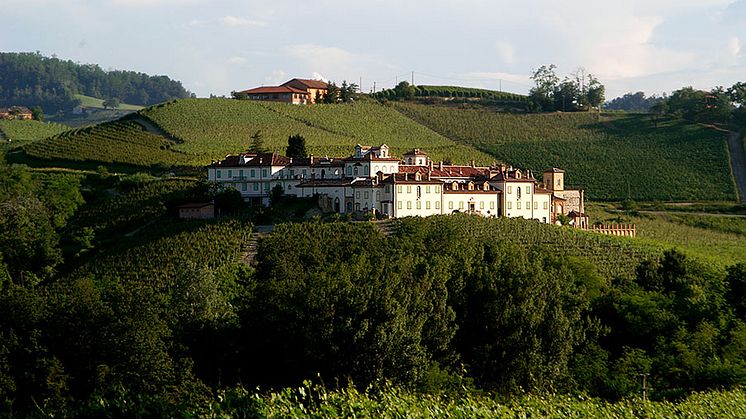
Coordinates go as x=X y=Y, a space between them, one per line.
x=311 y=157
x=406 y=176
x=440 y=165
x=472 y=163
x=430 y=164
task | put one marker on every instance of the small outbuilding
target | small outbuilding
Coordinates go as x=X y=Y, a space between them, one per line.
x=196 y=211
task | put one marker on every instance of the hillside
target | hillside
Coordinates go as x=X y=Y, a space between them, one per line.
x=31 y=79
x=612 y=159
x=617 y=157
x=21 y=132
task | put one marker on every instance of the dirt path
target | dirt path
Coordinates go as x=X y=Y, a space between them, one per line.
x=738 y=163
x=251 y=247
x=154 y=129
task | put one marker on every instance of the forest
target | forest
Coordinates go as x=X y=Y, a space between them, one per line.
x=100 y=316
x=31 y=79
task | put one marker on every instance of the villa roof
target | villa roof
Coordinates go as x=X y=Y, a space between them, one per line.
x=274 y=89
x=311 y=84
x=253 y=159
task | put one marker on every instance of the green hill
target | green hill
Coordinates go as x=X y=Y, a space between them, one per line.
x=214 y=127
x=20 y=132
x=617 y=157
x=611 y=158
x=92 y=102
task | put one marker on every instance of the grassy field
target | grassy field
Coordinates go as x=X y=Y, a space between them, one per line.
x=714 y=238
x=92 y=102
x=611 y=159
x=215 y=127
x=118 y=142
x=21 y=132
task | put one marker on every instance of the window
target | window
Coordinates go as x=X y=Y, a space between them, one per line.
x=461 y=205
x=292 y=173
x=510 y=205
x=544 y=220
x=437 y=204
x=375 y=169
x=450 y=204
x=398 y=204
x=492 y=205
x=437 y=189
x=518 y=192
x=427 y=189
x=518 y=205
x=536 y=205
x=481 y=205
x=349 y=170
x=218 y=174
x=391 y=169
x=398 y=189
x=378 y=195
x=510 y=189
x=427 y=204
x=365 y=170
x=419 y=191
x=256 y=186
x=409 y=204
x=290 y=187
x=357 y=195
x=355 y=171
x=240 y=173
x=528 y=190
x=264 y=172
x=266 y=187
x=528 y=205
x=230 y=174
x=303 y=173
x=366 y=194
x=387 y=189
x=419 y=205
x=409 y=188
x=546 y=205
x=253 y=173
x=244 y=186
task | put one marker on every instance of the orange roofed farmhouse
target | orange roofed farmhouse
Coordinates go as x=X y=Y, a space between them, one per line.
x=296 y=91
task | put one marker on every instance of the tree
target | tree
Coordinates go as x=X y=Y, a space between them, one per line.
x=547 y=82
x=595 y=93
x=296 y=146
x=404 y=90
x=257 y=143
x=332 y=93
x=347 y=92
x=37 y=113
x=112 y=103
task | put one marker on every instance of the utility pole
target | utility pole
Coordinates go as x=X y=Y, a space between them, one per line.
x=644 y=385
x=374 y=87
x=360 y=86
x=413 y=78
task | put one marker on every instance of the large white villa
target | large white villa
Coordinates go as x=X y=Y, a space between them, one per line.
x=372 y=180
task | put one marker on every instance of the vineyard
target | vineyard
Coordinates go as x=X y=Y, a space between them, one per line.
x=215 y=127
x=124 y=212
x=161 y=252
x=21 y=132
x=123 y=142
x=614 y=257
x=720 y=240
x=620 y=157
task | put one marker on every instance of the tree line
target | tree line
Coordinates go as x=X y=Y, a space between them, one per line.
x=442 y=304
x=579 y=91
x=31 y=79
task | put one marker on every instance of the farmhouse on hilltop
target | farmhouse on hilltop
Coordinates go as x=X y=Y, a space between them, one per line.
x=295 y=91
x=16 y=112
x=371 y=180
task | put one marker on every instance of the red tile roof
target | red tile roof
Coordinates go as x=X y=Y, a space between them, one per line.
x=311 y=84
x=274 y=89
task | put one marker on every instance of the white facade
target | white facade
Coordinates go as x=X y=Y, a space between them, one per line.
x=372 y=181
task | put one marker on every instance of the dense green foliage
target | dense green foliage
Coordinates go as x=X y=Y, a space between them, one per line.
x=448 y=92
x=20 y=132
x=31 y=79
x=633 y=102
x=611 y=159
x=124 y=142
x=215 y=127
x=318 y=402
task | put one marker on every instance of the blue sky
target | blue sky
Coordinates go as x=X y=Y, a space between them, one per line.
x=216 y=46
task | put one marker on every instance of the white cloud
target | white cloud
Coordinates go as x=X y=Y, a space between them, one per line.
x=506 y=52
x=241 y=22
x=276 y=77
x=236 y=60
x=734 y=46
x=229 y=21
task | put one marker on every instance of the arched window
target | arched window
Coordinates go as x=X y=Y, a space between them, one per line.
x=355 y=171
x=419 y=191
x=518 y=191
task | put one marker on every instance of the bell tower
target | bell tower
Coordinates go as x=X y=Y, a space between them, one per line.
x=554 y=179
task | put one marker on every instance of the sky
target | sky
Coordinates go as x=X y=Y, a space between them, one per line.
x=218 y=46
